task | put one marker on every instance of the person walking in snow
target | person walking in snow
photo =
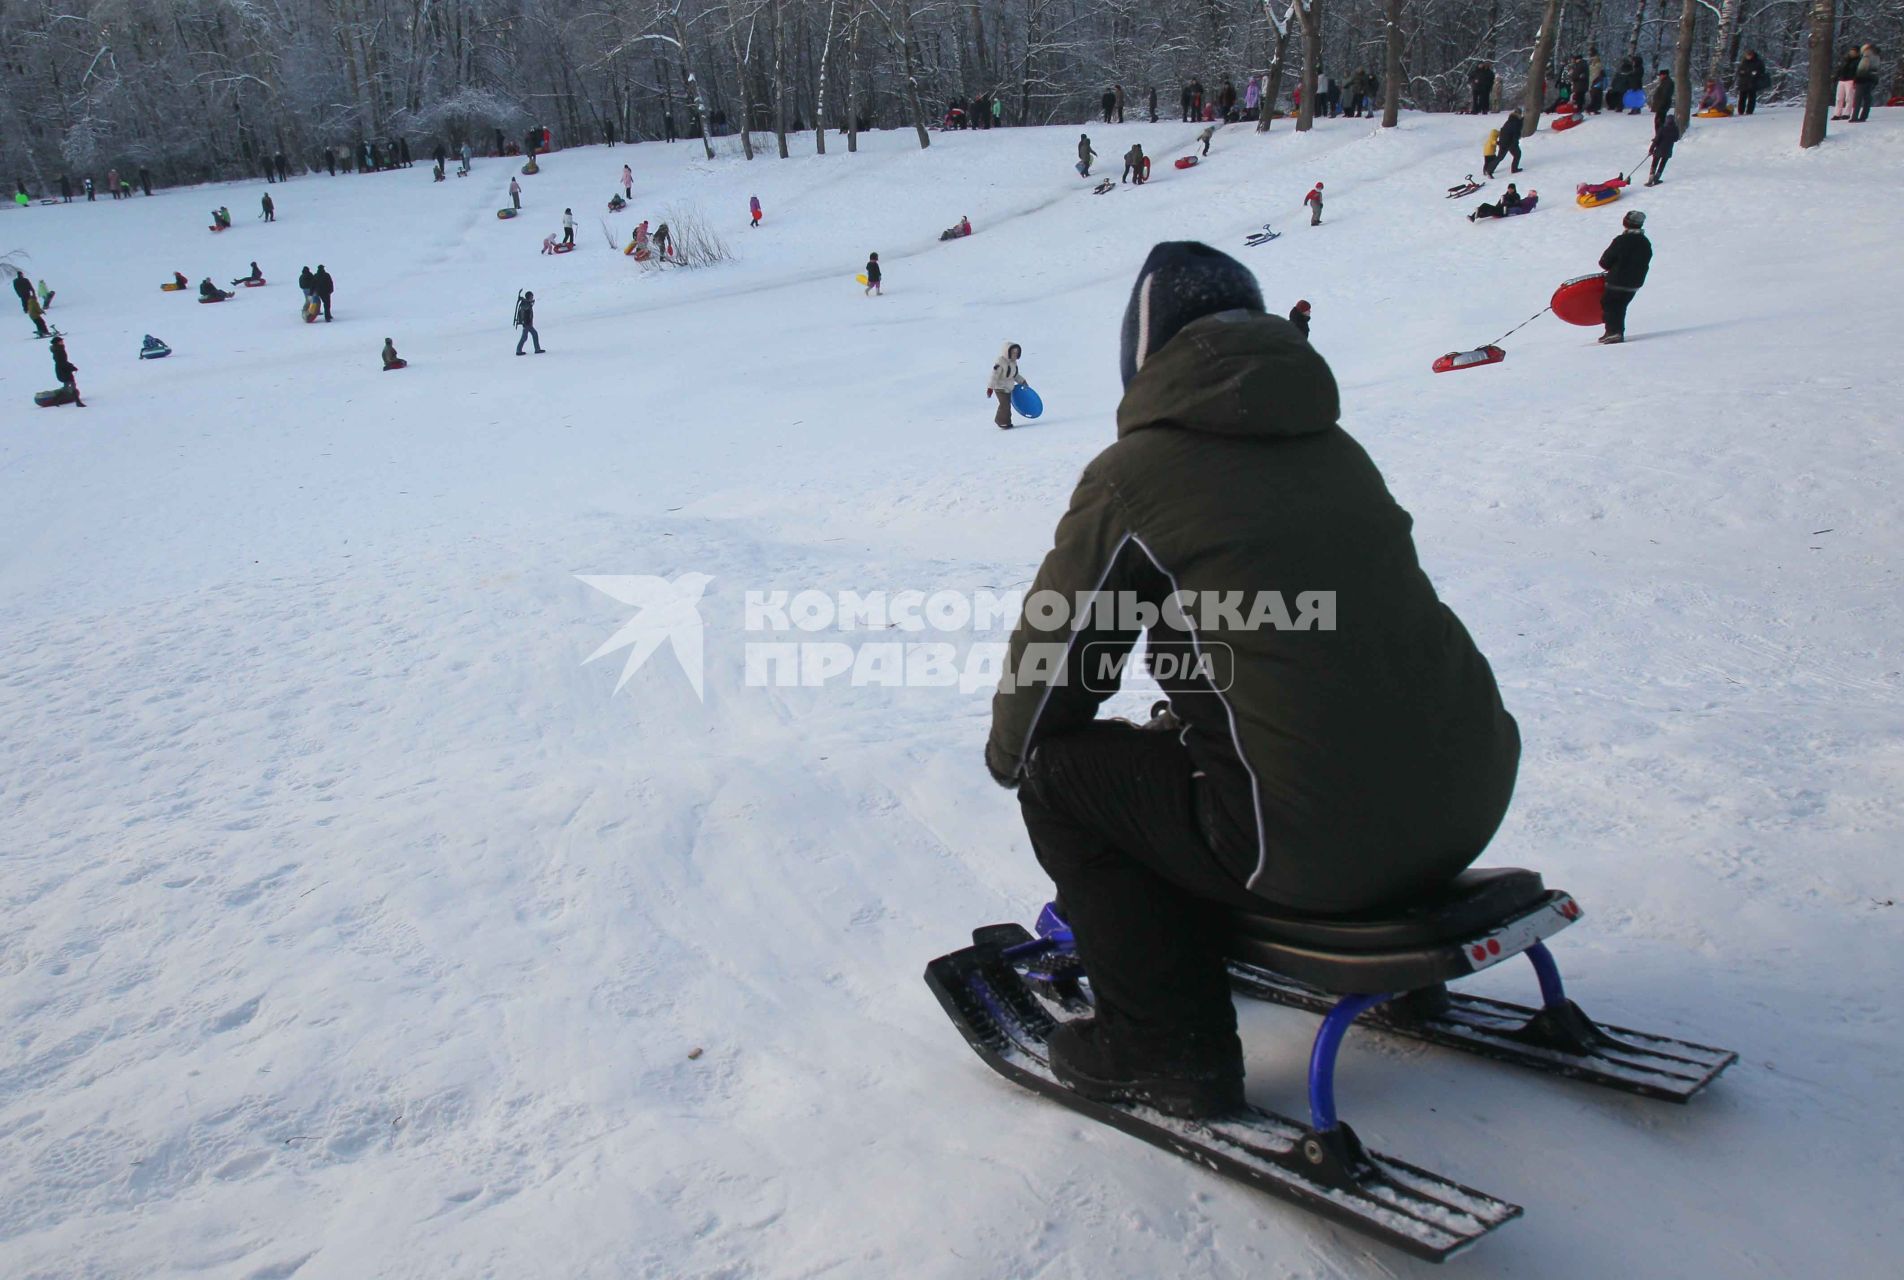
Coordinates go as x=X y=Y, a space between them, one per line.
x=1005 y=380
x=872 y=275
x=46 y=297
x=24 y=288
x=1847 y=87
x=1490 y=153
x=1751 y=79
x=1864 y=89
x=628 y=182
x=1299 y=316
x=1109 y=103
x=469 y=153
x=1085 y=155
x=89 y=191
x=1665 y=137
x=1663 y=91
x=270 y=213
x=515 y=193
x=65 y=371
x=568 y=226
x=525 y=320
x=753 y=210
x=1135 y=166
x=1625 y=262
x=1509 y=141
x=306 y=283
x=1314 y=201
x=1209 y=132
x=322 y=286
x=1480 y=88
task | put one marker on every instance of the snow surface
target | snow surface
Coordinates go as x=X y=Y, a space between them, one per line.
x=354 y=926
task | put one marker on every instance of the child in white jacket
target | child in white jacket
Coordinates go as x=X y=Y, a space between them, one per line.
x=1004 y=381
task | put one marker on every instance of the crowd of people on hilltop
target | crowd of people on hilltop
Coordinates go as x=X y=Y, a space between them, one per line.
x=1587 y=85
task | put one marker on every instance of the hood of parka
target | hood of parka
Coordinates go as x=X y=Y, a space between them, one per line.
x=1236 y=373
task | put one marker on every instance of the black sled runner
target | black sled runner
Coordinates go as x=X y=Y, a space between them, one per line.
x=1008 y=991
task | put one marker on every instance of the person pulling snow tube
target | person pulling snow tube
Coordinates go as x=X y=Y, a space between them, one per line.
x=1577 y=301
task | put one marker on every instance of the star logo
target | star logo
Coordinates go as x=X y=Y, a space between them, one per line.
x=665 y=611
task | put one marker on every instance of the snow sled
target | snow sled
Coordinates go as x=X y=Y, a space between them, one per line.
x=1009 y=990
x=1634 y=100
x=172 y=286
x=1084 y=170
x=1897 y=101
x=1467 y=188
x=216 y=228
x=1567 y=108
x=399 y=364
x=1526 y=206
x=1027 y=402
x=1469 y=359
x=309 y=312
x=1566 y=122
x=1186 y=162
x=507 y=213
x=861 y=277
x=1578 y=300
x=1591 y=195
x=1104 y=188
x=253 y=284
x=562 y=248
x=153 y=349
x=531 y=166
x=62 y=394
x=1713 y=113
x=216 y=297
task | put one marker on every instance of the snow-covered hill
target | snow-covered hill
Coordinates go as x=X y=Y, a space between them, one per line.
x=354 y=926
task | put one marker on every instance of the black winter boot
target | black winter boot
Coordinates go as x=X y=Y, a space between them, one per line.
x=1195 y=1075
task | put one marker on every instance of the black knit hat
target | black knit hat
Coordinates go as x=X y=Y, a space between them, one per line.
x=1181 y=281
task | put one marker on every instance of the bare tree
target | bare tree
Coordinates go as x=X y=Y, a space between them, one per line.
x=1392 y=65
x=1536 y=91
x=1818 y=82
x=1682 y=63
x=1309 y=14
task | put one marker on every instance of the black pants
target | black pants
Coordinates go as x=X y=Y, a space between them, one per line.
x=324 y=300
x=568 y=235
x=1511 y=149
x=1488 y=163
x=1613 y=305
x=1748 y=101
x=1862 y=98
x=1112 y=815
x=1659 y=166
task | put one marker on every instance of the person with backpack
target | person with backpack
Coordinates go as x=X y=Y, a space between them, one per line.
x=270 y=213
x=1751 y=79
x=1326 y=768
x=1085 y=155
x=873 y=276
x=1005 y=379
x=568 y=226
x=1509 y=142
x=1625 y=262
x=525 y=320
x=1314 y=203
x=322 y=286
x=1665 y=137
x=1864 y=90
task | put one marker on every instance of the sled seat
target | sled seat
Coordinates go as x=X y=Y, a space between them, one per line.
x=1481 y=917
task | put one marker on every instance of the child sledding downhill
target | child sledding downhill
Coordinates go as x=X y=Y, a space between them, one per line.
x=391 y=360
x=958 y=230
x=1005 y=380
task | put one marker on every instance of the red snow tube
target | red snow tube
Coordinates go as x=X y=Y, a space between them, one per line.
x=565 y=248
x=400 y=364
x=221 y=298
x=1578 y=300
x=1185 y=162
x=1567 y=109
x=1567 y=122
x=252 y=284
x=1470 y=359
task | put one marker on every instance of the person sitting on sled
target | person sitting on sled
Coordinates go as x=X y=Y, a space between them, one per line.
x=958 y=230
x=1334 y=740
x=221 y=217
x=1509 y=202
x=256 y=274
x=1714 y=98
x=616 y=204
x=391 y=360
x=209 y=292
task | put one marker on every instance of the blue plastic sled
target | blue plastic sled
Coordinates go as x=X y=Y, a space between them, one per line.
x=1026 y=401
x=1635 y=100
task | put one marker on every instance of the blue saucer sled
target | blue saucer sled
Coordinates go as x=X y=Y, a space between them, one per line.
x=1026 y=402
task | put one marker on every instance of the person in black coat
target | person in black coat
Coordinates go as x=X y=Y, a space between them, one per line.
x=1751 y=80
x=145 y=180
x=66 y=188
x=525 y=320
x=65 y=370
x=1665 y=136
x=322 y=286
x=1299 y=316
x=1662 y=96
x=1510 y=140
x=1625 y=262
x=1481 y=88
